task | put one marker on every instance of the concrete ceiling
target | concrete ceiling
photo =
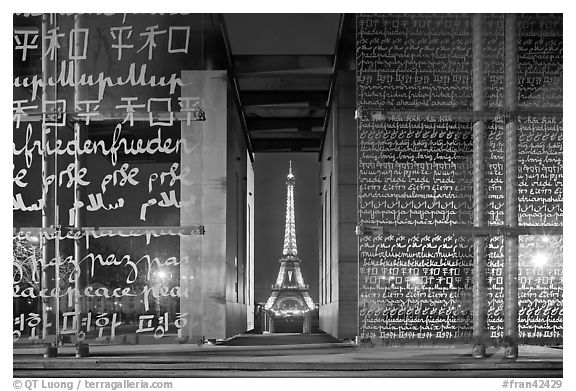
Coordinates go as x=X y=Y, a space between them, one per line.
x=283 y=65
x=282 y=34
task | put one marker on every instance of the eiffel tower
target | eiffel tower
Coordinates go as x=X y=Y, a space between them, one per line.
x=290 y=297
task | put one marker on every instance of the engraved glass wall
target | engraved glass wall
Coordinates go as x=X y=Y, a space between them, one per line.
x=416 y=111
x=99 y=108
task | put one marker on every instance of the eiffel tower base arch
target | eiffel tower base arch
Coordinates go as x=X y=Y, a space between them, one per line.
x=271 y=324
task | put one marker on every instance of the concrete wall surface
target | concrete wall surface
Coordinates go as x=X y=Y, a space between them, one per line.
x=214 y=274
x=339 y=248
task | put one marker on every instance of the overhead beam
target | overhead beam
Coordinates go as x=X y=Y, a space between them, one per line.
x=301 y=145
x=283 y=123
x=263 y=63
x=285 y=135
x=313 y=98
x=290 y=72
x=263 y=111
x=284 y=83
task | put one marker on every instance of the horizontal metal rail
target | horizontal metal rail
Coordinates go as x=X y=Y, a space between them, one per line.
x=142 y=116
x=457 y=229
x=451 y=115
x=75 y=233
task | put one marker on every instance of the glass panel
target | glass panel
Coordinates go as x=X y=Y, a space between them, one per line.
x=494 y=175
x=415 y=287
x=408 y=62
x=493 y=59
x=126 y=135
x=540 y=288
x=415 y=169
x=540 y=170
x=540 y=61
x=540 y=283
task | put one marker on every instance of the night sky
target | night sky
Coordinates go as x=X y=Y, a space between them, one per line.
x=270 y=170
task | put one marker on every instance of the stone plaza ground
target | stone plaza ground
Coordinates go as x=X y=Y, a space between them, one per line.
x=286 y=355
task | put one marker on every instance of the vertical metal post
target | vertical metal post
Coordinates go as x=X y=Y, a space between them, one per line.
x=307 y=325
x=49 y=273
x=511 y=186
x=80 y=282
x=270 y=324
x=79 y=195
x=478 y=171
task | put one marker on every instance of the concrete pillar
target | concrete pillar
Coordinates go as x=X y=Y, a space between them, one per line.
x=49 y=220
x=478 y=171
x=511 y=186
x=338 y=312
x=203 y=266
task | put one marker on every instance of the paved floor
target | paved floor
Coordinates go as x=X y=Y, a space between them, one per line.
x=286 y=356
x=279 y=339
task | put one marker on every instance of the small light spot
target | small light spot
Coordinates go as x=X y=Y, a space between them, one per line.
x=539 y=260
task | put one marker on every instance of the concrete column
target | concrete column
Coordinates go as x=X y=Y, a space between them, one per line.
x=511 y=186
x=338 y=314
x=49 y=274
x=478 y=172
x=203 y=271
x=191 y=247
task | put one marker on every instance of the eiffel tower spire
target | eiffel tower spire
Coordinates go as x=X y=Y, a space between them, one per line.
x=289 y=293
x=290 y=229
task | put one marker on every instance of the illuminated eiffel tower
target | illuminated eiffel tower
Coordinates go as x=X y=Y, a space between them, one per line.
x=290 y=297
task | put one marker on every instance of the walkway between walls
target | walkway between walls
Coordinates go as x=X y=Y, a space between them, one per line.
x=295 y=360
x=279 y=339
